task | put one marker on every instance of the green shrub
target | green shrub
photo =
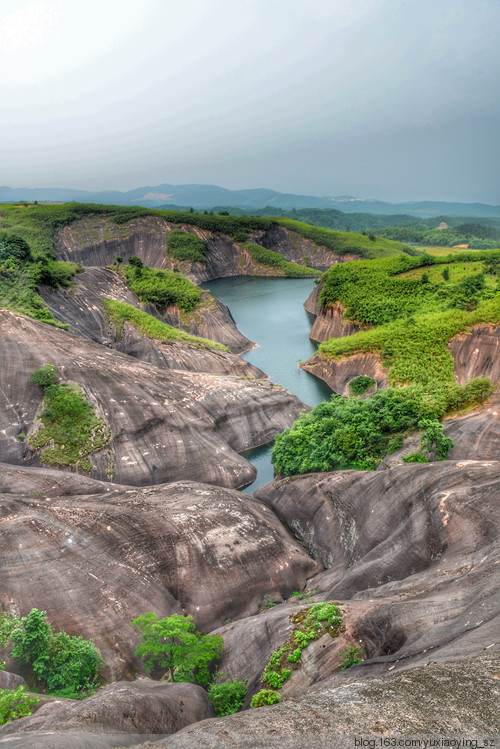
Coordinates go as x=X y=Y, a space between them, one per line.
x=415 y=457
x=162 y=287
x=350 y=656
x=182 y=245
x=67 y=665
x=16 y=703
x=47 y=375
x=360 y=385
x=265 y=697
x=227 y=697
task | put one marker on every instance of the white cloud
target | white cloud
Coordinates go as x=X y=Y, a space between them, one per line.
x=33 y=23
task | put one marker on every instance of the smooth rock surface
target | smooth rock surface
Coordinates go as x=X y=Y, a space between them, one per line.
x=337 y=373
x=146 y=707
x=96 y=562
x=418 y=544
x=457 y=699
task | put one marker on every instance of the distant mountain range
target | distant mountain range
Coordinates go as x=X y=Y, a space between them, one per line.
x=205 y=197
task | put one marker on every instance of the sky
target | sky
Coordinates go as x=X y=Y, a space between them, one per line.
x=389 y=99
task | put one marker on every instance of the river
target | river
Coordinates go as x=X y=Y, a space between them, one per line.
x=269 y=311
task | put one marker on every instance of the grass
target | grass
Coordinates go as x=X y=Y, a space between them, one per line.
x=71 y=430
x=119 y=313
x=184 y=246
x=277 y=262
x=163 y=288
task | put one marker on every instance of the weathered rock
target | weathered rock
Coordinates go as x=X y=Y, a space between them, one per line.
x=81 y=308
x=337 y=373
x=249 y=643
x=477 y=353
x=165 y=425
x=84 y=241
x=417 y=543
x=98 y=561
x=299 y=249
x=120 y=713
x=27 y=481
x=453 y=699
x=11 y=681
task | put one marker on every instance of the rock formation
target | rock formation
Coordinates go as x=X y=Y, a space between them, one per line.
x=122 y=713
x=103 y=559
x=81 y=308
x=454 y=699
x=165 y=425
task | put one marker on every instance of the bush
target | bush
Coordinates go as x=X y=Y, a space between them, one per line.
x=68 y=665
x=360 y=384
x=16 y=703
x=46 y=376
x=273 y=259
x=135 y=261
x=227 y=697
x=162 y=287
x=265 y=697
x=185 y=246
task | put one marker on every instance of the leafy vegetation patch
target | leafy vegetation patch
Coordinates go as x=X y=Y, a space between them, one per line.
x=119 y=312
x=350 y=433
x=227 y=697
x=275 y=260
x=310 y=624
x=71 y=427
x=161 y=287
x=68 y=666
x=265 y=697
x=184 y=246
x=175 y=644
x=359 y=385
x=21 y=273
x=16 y=703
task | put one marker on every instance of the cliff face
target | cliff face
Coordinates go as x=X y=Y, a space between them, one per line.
x=165 y=425
x=147 y=238
x=298 y=249
x=81 y=308
x=338 y=373
x=330 y=321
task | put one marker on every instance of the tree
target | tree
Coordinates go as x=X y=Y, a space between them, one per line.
x=175 y=644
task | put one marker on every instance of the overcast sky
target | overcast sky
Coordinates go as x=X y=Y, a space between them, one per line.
x=390 y=99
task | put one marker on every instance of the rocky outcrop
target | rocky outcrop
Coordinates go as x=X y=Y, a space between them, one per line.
x=123 y=713
x=477 y=353
x=337 y=373
x=11 y=681
x=299 y=249
x=165 y=425
x=433 y=700
x=330 y=321
x=103 y=559
x=417 y=544
x=80 y=307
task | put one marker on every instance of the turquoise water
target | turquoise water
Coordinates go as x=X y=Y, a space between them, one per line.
x=269 y=311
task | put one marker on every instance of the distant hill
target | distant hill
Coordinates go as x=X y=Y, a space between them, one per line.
x=208 y=196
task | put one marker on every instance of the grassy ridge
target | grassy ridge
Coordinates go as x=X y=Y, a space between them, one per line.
x=119 y=312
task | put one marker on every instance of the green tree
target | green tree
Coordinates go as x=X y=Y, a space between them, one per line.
x=46 y=376
x=68 y=665
x=175 y=644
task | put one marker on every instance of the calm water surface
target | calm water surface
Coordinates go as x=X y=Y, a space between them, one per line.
x=269 y=311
